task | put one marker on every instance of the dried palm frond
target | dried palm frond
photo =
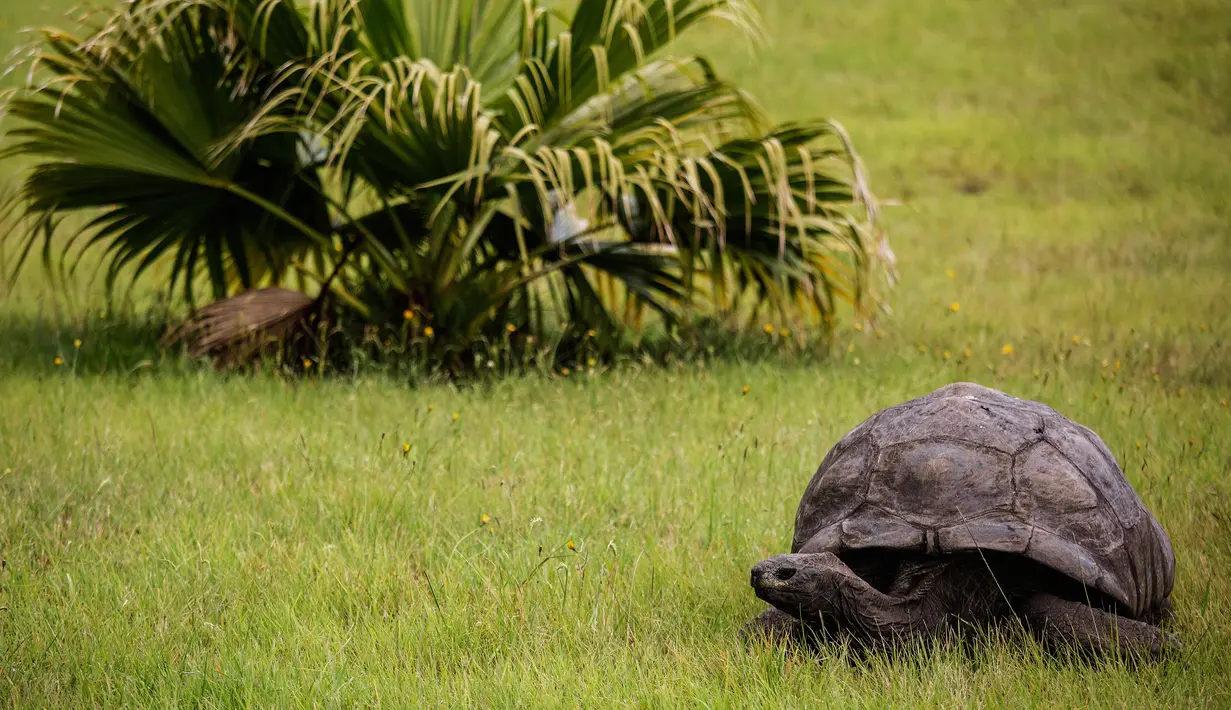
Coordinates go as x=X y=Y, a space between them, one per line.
x=237 y=328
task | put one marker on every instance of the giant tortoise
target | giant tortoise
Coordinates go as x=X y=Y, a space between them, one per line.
x=963 y=508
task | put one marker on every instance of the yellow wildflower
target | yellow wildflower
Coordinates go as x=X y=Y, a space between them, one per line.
x=967 y=352
x=785 y=332
x=945 y=355
x=510 y=327
x=405 y=449
x=456 y=416
x=408 y=314
x=1139 y=444
x=429 y=332
x=307 y=363
x=955 y=307
x=1006 y=350
x=484 y=519
x=856 y=362
x=748 y=389
x=769 y=328
x=850 y=348
x=1223 y=402
x=859 y=326
x=565 y=371
x=923 y=348
x=1077 y=340
x=58 y=361
x=591 y=362
x=77 y=343
x=430 y=407
x=591 y=333
x=570 y=545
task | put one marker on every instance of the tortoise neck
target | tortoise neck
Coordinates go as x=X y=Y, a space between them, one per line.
x=924 y=595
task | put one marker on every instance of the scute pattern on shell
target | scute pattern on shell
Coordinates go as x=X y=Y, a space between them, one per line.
x=968 y=467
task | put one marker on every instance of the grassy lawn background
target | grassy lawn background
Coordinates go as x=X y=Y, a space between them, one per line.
x=171 y=536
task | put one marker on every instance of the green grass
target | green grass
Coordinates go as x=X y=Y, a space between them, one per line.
x=172 y=536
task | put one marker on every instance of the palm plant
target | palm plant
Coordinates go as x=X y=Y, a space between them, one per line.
x=446 y=167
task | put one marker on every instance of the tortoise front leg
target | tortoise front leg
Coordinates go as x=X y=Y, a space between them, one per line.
x=1061 y=622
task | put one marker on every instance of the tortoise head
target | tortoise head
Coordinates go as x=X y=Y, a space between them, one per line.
x=803 y=583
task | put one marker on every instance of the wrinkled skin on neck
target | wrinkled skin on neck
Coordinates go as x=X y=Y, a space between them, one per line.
x=926 y=595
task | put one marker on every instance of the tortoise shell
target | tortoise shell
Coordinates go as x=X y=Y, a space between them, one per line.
x=967 y=467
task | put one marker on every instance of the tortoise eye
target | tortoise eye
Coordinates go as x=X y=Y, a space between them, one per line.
x=784 y=573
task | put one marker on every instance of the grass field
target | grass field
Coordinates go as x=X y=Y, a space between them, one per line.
x=174 y=537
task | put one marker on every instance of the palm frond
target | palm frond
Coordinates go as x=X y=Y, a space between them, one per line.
x=125 y=129
x=234 y=329
x=485 y=37
x=605 y=40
